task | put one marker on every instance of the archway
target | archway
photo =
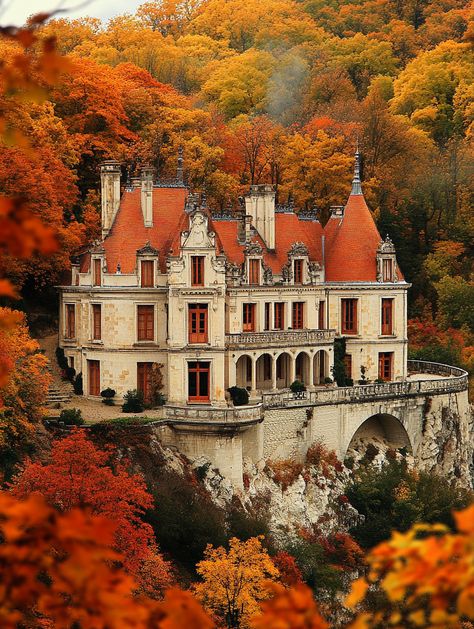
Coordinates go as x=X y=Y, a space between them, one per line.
x=382 y=427
x=243 y=372
x=264 y=369
x=321 y=367
x=302 y=368
x=283 y=371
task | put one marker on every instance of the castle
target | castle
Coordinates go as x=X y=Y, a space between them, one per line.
x=253 y=299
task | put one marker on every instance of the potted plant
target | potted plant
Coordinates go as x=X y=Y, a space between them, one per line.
x=108 y=396
x=239 y=396
x=298 y=388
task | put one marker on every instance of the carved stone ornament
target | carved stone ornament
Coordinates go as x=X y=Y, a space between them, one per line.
x=298 y=249
x=147 y=250
x=314 y=270
x=286 y=272
x=174 y=264
x=253 y=249
x=267 y=275
x=386 y=246
x=97 y=247
x=198 y=236
x=234 y=273
x=219 y=264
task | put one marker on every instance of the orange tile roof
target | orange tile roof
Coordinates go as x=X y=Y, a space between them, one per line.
x=128 y=232
x=352 y=244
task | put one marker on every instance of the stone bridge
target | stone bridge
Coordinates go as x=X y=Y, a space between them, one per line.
x=428 y=414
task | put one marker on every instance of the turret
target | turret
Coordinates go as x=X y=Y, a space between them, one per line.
x=260 y=205
x=110 y=193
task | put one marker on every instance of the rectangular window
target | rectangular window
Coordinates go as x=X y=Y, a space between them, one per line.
x=298 y=271
x=387 y=316
x=94 y=377
x=254 y=271
x=146 y=323
x=268 y=313
x=97 y=272
x=298 y=315
x=198 y=382
x=349 y=316
x=197 y=323
x=248 y=318
x=322 y=315
x=96 y=322
x=386 y=366
x=348 y=365
x=387 y=270
x=147 y=274
x=144 y=380
x=197 y=270
x=70 y=321
x=279 y=318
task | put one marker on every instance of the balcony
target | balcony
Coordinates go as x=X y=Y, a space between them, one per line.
x=238 y=415
x=441 y=379
x=279 y=338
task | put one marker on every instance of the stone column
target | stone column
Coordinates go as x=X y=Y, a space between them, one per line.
x=254 y=373
x=292 y=368
x=311 y=371
x=274 y=374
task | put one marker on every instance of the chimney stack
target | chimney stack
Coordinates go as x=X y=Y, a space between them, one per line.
x=110 y=193
x=260 y=205
x=147 y=195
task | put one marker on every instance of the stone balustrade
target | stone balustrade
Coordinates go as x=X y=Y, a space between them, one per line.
x=205 y=414
x=451 y=380
x=279 y=338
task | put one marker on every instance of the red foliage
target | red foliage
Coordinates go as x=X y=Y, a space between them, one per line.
x=290 y=574
x=81 y=475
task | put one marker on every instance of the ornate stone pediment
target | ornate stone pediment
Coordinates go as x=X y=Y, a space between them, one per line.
x=234 y=273
x=286 y=272
x=174 y=264
x=219 y=264
x=97 y=247
x=314 y=272
x=253 y=249
x=198 y=236
x=386 y=246
x=298 y=249
x=147 y=250
x=267 y=275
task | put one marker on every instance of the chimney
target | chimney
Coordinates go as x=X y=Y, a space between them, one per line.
x=260 y=205
x=147 y=195
x=110 y=193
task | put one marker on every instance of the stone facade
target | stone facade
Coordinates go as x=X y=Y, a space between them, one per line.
x=253 y=300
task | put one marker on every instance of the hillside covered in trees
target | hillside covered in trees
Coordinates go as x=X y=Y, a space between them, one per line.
x=269 y=91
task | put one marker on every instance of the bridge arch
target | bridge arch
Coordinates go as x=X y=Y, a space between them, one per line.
x=383 y=426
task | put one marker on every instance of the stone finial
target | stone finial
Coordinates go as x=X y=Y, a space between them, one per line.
x=356 y=184
x=179 y=168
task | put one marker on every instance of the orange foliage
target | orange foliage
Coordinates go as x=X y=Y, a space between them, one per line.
x=289 y=609
x=81 y=475
x=290 y=574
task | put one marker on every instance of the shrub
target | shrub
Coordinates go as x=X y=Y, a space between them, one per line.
x=240 y=396
x=379 y=381
x=61 y=358
x=108 y=393
x=77 y=385
x=297 y=386
x=133 y=402
x=285 y=472
x=316 y=454
x=70 y=373
x=108 y=401
x=71 y=416
x=328 y=380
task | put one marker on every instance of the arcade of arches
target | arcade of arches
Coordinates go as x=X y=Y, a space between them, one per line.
x=272 y=372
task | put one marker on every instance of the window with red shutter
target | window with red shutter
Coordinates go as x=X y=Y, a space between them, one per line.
x=387 y=316
x=349 y=316
x=97 y=272
x=197 y=270
x=197 y=321
x=96 y=322
x=267 y=316
x=146 y=323
x=94 y=377
x=198 y=381
x=348 y=365
x=147 y=274
x=387 y=270
x=248 y=317
x=70 y=321
x=322 y=315
x=144 y=379
x=254 y=272
x=298 y=271
x=386 y=366
x=279 y=318
x=298 y=315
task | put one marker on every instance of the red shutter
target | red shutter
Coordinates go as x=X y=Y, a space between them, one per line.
x=197 y=323
x=147 y=279
x=146 y=323
x=298 y=308
x=197 y=270
x=70 y=321
x=198 y=381
x=321 y=315
x=254 y=272
x=298 y=271
x=279 y=323
x=248 y=318
x=96 y=322
x=387 y=316
x=97 y=272
x=349 y=316
x=144 y=379
x=94 y=377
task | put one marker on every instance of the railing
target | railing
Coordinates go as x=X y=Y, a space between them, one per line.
x=237 y=414
x=279 y=338
x=451 y=380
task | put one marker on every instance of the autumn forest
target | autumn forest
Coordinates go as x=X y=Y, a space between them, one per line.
x=251 y=91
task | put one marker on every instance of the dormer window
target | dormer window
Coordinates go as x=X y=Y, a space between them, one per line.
x=147 y=273
x=386 y=262
x=298 y=271
x=254 y=271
